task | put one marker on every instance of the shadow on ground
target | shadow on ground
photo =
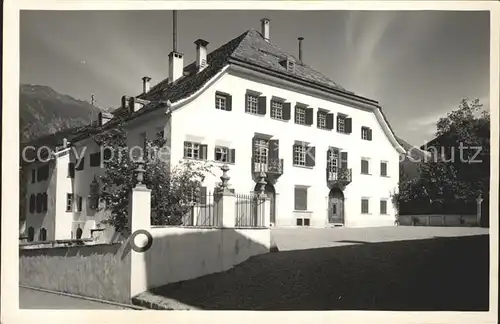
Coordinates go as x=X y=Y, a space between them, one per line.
x=441 y=274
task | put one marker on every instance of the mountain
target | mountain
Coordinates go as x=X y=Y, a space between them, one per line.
x=44 y=111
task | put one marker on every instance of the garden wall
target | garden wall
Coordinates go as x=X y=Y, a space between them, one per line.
x=439 y=220
x=100 y=271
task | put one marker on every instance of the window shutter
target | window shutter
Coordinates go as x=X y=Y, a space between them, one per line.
x=348 y=125
x=203 y=151
x=287 y=111
x=309 y=116
x=310 y=156
x=274 y=146
x=185 y=156
x=343 y=160
x=203 y=195
x=71 y=170
x=32 y=203
x=329 y=121
x=262 y=105
x=229 y=103
x=232 y=156
x=369 y=134
x=215 y=153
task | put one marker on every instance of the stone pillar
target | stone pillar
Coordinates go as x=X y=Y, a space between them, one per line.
x=479 y=201
x=139 y=219
x=226 y=201
x=264 y=205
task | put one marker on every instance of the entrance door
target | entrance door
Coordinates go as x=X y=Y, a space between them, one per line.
x=336 y=207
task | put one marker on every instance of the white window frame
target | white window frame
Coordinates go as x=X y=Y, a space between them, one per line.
x=341 y=124
x=300 y=115
x=322 y=119
x=220 y=102
x=364 y=133
x=299 y=155
x=276 y=109
x=333 y=161
x=223 y=153
x=252 y=104
x=192 y=150
x=69 y=202
x=261 y=151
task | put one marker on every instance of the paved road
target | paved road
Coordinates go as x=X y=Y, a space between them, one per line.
x=33 y=299
x=398 y=268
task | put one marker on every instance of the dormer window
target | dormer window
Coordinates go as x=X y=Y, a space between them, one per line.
x=289 y=64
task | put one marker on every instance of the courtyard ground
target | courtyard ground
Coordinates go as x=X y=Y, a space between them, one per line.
x=390 y=268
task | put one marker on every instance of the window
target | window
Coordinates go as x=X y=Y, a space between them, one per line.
x=303 y=221
x=344 y=124
x=322 y=119
x=220 y=102
x=383 y=169
x=195 y=151
x=300 y=115
x=341 y=124
x=79 y=233
x=43 y=173
x=365 y=166
x=44 y=202
x=69 y=202
x=224 y=154
x=80 y=164
x=333 y=158
x=300 y=198
x=71 y=170
x=223 y=101
x=252 y=104
x=383 y=207
x=303 y=155
x=79 y=203
x=32 y=203
x=366 y=133
x=42 y=235
x=364 y=206
x=290 y=66
x=31 y=234
x=276 y=109
x=261 y=151
x=39 y=203
x=299 y=155
x=95 y=159
x=33 y=175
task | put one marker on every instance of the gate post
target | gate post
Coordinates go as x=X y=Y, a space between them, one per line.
x=139 y=213
x=479 y=201
x=226 y=201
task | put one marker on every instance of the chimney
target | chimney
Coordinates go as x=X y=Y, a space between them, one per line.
x=175 y=59
x=201 y=53
x=264 y=28
x=146 y=86
x=300 y=48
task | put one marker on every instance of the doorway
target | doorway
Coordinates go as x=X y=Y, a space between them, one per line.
x=271 y=194
x=336 y=206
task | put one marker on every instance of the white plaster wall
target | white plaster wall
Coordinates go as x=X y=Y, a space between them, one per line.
x=179 y=254
x=199 y=119
x=44 y=219
x=64 y=219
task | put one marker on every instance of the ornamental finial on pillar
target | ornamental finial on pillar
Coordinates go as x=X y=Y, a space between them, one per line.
x=225 y=178
x=140 y=173
x=262 y=182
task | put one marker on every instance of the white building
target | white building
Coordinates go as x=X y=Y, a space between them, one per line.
x=329 y=155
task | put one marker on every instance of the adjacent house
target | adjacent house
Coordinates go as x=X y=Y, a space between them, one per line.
x=329 y=156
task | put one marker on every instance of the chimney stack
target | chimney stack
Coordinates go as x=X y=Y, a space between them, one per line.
x=201 y=53
x=146 y=86
x=265 y=28
x=175 y=59
x=300 y=48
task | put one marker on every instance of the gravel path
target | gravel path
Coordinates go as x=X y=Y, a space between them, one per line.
x=443 y=273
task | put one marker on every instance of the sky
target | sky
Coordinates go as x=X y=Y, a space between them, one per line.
x=416 y=64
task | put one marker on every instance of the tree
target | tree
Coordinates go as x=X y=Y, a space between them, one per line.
x=459 y=168
x=172 y=192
